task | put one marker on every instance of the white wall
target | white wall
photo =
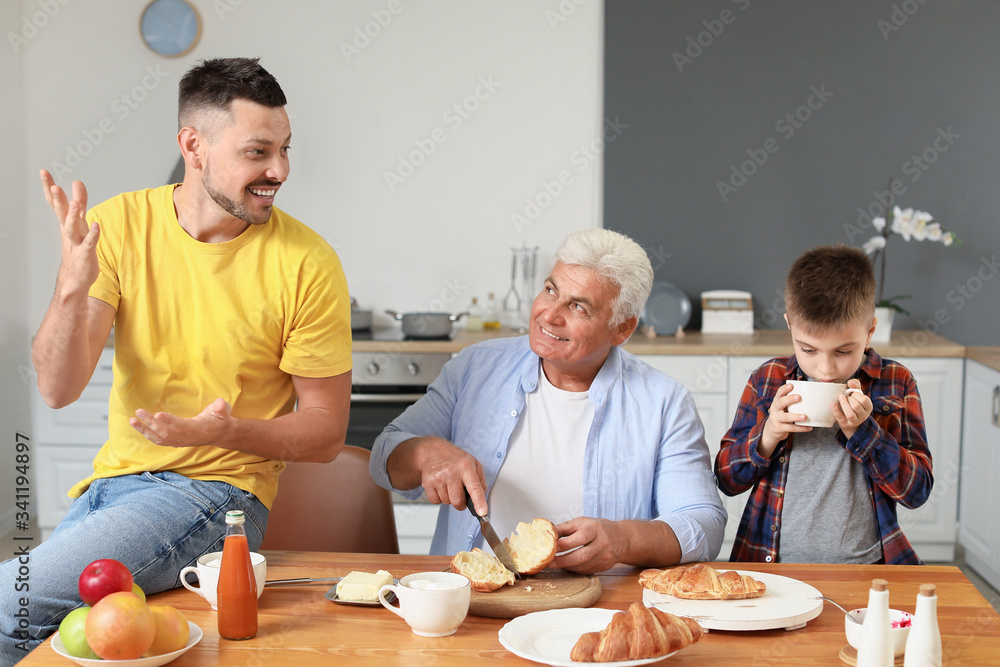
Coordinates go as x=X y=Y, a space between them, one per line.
x=436 y=239
x=15 y=362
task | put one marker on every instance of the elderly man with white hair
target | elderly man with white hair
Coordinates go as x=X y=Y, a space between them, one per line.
x=566 y=425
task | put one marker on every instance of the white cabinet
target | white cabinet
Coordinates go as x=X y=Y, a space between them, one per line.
x=933 y=527
x=415 y=523
x=979 y=526
x=68 y=439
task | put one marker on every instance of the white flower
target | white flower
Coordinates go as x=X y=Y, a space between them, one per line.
x=948 y=238
x=874 y=244
x=878 y=224
x=902 y=222
x=934 y=232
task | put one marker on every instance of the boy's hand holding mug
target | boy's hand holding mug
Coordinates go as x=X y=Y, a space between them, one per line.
x=852 y=409
x=780 y=422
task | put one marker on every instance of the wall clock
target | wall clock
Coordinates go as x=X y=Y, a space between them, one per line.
x=170 y=27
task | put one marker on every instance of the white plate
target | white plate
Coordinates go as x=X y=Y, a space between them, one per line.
x=153 y=661
x=549 y=636
x=667 y=308
x=788 y=603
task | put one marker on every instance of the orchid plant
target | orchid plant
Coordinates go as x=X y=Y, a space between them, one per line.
x=911 y=225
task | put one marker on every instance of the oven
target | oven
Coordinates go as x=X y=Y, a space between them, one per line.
x=386 y=381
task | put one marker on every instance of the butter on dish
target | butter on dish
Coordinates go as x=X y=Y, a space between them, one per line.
x=362 y=586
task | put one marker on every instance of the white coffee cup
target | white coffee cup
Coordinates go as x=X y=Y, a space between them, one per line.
x=433 y=604
x=816 y=400
x=207 y=572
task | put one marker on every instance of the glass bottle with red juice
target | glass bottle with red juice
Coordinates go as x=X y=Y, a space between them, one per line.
x=237 y=592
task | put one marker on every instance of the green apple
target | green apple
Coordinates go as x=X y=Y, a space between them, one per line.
x=138 y=591
x=71 y=632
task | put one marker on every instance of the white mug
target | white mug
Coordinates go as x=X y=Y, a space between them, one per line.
x=816 y=398
x=433 y=604
x=207 y=572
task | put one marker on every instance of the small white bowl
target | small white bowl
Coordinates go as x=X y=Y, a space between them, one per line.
x=899 y=634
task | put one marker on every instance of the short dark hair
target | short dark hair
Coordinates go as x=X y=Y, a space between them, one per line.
x=215 y=83
x=830 y=287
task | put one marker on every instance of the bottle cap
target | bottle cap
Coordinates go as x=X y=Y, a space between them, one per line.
x=234 y=517
x=879 y=584
x=927 y=589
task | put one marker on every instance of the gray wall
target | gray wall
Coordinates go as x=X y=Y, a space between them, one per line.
x=897 y=81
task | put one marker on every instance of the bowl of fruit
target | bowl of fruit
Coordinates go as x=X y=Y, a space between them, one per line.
x=116 y=625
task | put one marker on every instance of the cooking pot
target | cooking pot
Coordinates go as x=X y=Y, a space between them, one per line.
x=426 y=325
x=361 y=318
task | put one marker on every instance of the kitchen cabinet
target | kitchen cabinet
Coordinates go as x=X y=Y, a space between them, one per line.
x=979 y=522
x=67 y=441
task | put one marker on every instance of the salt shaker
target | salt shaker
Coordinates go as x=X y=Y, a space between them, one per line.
x=876 y=643
x=923 y=644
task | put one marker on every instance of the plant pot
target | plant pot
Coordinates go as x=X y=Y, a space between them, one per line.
x=883 y=328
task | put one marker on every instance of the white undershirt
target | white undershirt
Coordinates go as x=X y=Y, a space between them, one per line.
x=542 y=475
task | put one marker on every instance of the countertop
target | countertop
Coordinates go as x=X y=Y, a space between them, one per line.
x=987 y=356
x=769 y=342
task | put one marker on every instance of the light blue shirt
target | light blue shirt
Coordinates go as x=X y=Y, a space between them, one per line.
x=646 y=455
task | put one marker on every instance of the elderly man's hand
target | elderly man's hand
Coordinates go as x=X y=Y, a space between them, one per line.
x=446 y=471
x=597 y=545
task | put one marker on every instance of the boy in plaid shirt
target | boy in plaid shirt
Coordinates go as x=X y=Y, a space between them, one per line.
x=828 y=495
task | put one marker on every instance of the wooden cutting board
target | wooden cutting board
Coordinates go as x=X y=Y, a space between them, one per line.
x=549 y=589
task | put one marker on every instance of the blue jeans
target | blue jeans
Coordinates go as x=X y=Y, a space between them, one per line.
x=154 y=523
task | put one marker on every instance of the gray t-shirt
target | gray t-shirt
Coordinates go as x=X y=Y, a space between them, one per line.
x=827 y=515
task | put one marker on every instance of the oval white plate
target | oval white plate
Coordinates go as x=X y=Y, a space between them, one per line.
x=153 y=661
x=549 y=636
x=667 y=308
x=788 y=603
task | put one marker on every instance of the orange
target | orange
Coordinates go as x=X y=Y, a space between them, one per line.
x=120 y=627
x=171 y=630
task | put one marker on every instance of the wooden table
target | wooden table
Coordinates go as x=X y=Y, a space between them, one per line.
x=298 y=626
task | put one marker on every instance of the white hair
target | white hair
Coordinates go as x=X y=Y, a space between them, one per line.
x=617 y=260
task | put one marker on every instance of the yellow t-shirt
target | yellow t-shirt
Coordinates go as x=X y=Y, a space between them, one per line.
x=196 y=321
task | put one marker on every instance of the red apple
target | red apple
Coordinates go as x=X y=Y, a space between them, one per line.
x=103 y=577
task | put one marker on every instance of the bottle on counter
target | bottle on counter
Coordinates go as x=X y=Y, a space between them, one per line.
x=923 y=644
x=237 y=592
x=474 y=320
x=491 y=316
x=876 y=641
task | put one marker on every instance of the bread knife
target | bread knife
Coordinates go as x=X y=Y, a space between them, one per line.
x=491 y=537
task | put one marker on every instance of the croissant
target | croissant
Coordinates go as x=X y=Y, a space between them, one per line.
x=701 y=582
x=639 y=633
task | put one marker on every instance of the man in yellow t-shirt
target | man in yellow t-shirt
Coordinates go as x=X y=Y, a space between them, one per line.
x=226 y=312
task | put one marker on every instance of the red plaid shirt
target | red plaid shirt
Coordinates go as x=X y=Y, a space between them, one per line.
x=891 y=445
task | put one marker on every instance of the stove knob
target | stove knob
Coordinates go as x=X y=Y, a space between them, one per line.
x=372 y=369
x=413 y=369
